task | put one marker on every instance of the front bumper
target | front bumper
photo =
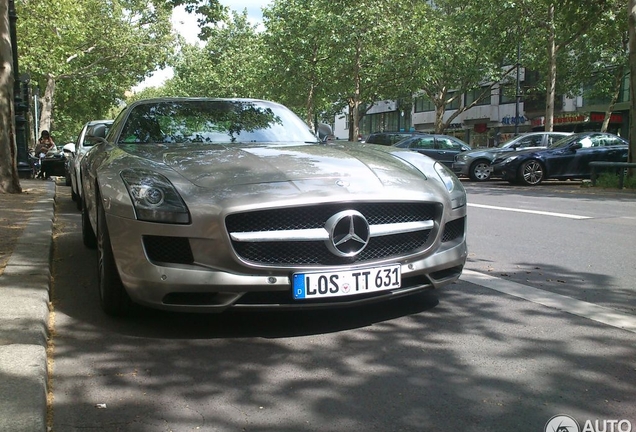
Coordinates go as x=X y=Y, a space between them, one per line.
x=505 y=171
x=200 y=287
x=460 y=168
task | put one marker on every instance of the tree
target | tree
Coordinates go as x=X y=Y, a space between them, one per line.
x=299 y=40
x=228 y=65
x=555 y=26
x=325 y=54
x=99 y=49
x=456 y=47
x=598 y=60
x=9 y=182
x=631 y=14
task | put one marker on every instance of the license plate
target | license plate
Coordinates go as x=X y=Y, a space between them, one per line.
x=345 y=283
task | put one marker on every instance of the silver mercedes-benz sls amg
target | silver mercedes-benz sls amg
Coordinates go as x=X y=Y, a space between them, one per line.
x=200 y=205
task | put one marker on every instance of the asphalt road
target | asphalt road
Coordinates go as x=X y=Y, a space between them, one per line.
x=465 y=358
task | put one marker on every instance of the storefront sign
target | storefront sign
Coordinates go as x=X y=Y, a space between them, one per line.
x=599 y=117
x=511 y=120
x=570 y=118
x=537 y=121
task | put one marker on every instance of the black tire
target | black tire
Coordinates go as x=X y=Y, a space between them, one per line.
x=531 y=172
x=88 y=235
x=113 y=297
x=75 y=198
x=480 y=170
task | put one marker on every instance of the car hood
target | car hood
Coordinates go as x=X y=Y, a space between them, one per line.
x=213 y=166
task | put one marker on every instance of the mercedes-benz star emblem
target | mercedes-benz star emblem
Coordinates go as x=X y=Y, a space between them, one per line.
x=349 y=233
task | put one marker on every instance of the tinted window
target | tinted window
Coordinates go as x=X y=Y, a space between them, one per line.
x=423 y=143
x=448 y=144
x=553 y=138
x=530 y=141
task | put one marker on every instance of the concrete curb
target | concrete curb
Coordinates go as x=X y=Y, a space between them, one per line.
x=24 y=311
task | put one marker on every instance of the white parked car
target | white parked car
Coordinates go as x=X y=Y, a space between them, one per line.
x=83 y=143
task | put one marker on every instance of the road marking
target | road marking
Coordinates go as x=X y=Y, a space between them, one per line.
x=563 y=215
x=571 y=305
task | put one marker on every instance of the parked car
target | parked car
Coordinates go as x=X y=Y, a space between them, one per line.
x=200 y=205
x=54 y=164
x=443 y=148
x=84 y=142
x=476 y=164
x=568 y=158
x=389 y=138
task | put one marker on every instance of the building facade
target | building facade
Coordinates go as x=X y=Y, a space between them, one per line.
x=494 y=119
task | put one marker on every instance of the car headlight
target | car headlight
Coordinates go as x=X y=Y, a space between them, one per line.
x=453 y=185
x=154 y=198
x=510 y=159
x=461 y=158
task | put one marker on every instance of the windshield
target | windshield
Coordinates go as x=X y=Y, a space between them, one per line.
x=213 y=121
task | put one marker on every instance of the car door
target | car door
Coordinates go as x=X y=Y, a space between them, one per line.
x=425 y=145
x=604 y=147
x=447 y=149
x=573 y=161
x=616 y=149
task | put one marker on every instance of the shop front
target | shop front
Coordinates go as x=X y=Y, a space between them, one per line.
x=583 y=122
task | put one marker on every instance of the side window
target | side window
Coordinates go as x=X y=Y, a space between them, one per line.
x=398 y=137
x=531 y=141
x=424 y=143
x=587 y=142
x=446 y=144
x=553 y=138
x=611 y=141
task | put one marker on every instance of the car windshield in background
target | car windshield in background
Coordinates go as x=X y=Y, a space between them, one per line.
x=213 y=121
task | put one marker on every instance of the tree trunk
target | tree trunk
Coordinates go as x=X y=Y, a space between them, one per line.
x=632 y=84
x=618 y=80
x=310 y=108
x=354 y=105
x=440 y=109
x=552 y=71
x=47 y=104
x=9 y=181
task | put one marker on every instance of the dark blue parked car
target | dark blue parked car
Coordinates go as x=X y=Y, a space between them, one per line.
x=568 y=158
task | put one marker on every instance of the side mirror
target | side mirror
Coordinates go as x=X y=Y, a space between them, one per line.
x=98 y=131
x=324 y=132
x=576 y=146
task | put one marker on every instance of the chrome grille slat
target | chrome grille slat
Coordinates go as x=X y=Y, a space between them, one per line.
x=297 y=236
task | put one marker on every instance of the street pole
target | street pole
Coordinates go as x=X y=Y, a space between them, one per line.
x=36 y=114
x=21 y=106
x=518 y=93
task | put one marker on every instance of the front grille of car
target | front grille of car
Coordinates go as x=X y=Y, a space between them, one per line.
x=161 y=249
x=453 y=229
x=289 y=253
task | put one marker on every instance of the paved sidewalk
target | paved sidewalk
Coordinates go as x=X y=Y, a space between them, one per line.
x=24 y=298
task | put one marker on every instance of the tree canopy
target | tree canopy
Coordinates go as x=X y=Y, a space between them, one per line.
x=319 y=56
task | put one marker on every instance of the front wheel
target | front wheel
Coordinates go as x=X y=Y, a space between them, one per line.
x=113 y=297
x=480 y=171
x=531 y=173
